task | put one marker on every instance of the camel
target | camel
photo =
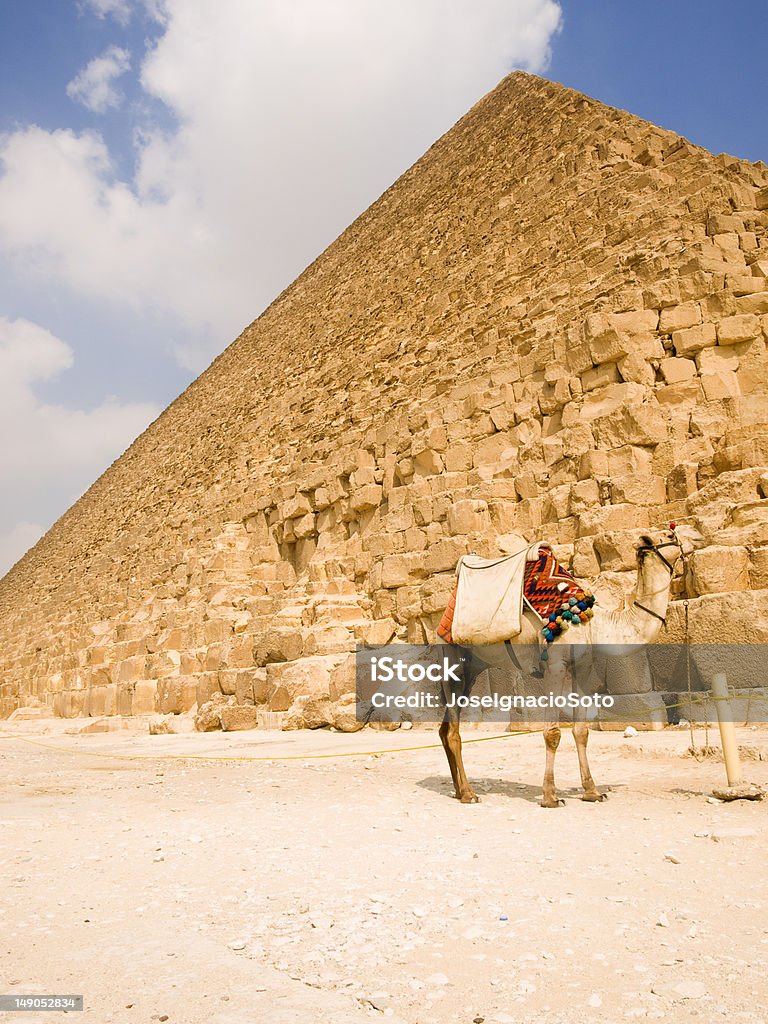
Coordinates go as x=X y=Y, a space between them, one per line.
x=638 y=624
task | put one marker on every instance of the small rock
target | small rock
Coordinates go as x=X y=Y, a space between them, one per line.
x=594 y=999
x=629 y=732
x=690 y=990
x=237 y=944
x=671 y=858
x=662 y=921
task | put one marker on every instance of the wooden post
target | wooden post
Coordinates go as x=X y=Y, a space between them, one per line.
x=727 y=729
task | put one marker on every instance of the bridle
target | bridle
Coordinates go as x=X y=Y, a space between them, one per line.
x=656 y=550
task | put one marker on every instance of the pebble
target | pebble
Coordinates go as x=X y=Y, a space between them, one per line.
x=628 y=733
x=671 y=858
x=595 y=1000
x=237 y=944
x=662 y=920
x=690 y=990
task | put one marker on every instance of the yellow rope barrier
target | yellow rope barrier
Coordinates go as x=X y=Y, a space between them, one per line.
x=308 y=757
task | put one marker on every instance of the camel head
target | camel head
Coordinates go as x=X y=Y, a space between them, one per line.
x=678 y=541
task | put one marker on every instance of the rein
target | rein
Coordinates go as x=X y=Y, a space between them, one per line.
x=656 y=550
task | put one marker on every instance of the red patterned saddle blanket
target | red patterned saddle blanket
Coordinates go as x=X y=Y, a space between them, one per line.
x=549 y=590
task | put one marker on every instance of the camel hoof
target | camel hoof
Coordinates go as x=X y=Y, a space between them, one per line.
x=554 y=802
x=468 y=798
x=594 y=798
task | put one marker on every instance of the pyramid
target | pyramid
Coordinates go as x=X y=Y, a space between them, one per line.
x=553 y=324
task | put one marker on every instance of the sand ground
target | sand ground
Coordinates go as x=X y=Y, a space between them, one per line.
x=204 y=891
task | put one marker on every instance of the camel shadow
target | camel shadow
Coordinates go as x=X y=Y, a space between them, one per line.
x=485 y=786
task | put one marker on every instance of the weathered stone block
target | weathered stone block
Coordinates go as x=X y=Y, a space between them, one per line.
x=692 y=339
x=639 y=490
x=718 y=570
x=466 y=517
x=675 y=370
x=682 y=481
x=678 y=318
x=736 y=329
x=238 y=717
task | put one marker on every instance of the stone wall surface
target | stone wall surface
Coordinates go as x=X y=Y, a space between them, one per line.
x=554 y=324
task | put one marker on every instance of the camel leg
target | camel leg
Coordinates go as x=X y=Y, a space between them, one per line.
x=464 y=792
x=443 y=732
x=556 y=674
x=580 y=736
x=552 y=741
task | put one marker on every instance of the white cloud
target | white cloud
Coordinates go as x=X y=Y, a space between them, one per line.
x=49 y=452
x=94 y=86
x=120 y=10
x=293 y=115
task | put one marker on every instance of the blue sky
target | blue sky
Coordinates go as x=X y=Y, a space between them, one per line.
x=168 y=166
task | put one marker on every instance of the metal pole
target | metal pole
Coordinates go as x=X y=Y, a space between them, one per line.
x=727 y=729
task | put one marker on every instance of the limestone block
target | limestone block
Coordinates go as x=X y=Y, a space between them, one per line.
x=279 y=643
x=238 y=717
x=611 y=518
x=171 y=694
x=344 y=715
x=495 y=449
x=625 y=673
x=718 y=569
x=736 y=329
x=692 y=339
x=713 y=360
x=744 y=284
x=443 y=555
x=722 y=384
x=328 y=640
x=427 y=462
x=637 y=321
x=583 y=495
x=758 y=568
x=675 y=370
x=129 y=670
x=307 y=677
x=399 y=570
x=678 y=318
x=636 y=425
x=586 y=564
x=639 y=490
x=144 y=697
x=637 y=366
x=309 y=713
x=366 y=498
x=207 y=686
x=599 y=376
x=734 y=618
x=757 y=303
x=208 y=717
x=296 y=506
x=467 y=517
x=682 y=481
x=721 y=223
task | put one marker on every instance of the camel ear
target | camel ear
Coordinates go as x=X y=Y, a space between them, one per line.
x=645 y=540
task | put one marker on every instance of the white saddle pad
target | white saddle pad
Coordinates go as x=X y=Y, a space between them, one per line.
x=489 y=598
